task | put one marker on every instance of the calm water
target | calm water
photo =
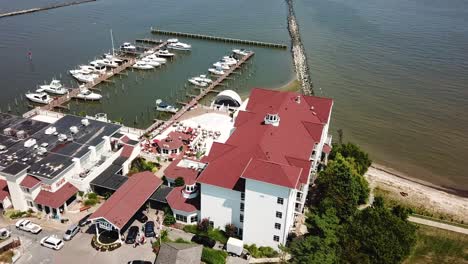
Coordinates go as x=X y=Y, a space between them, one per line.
x=398 y=70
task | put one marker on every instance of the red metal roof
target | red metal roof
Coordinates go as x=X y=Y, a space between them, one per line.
x=127 y=151
x=173 y=171
x=176 y=201
x=302 y=119
x=3 y=190
x=130 y=197
x=30 y=182
x=174 y=140
x=274 y=173
x=57 y=198
x=124 y=139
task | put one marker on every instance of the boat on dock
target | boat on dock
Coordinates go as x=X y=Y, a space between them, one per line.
x=197 y=82
x=82 y=69
x=221 y=65
x=39 y=97
x=86 y=94
x=140 y=65
x=216 y=71
x=85 y=78
x=156 y=58
x=164 y=107
x=150 y=62
x=110 y=63
x=164 y=53
x=179 y=46
x=202 y=78
x=128 y=46
x=55 y=87
x=241 y=52
x=229 y=60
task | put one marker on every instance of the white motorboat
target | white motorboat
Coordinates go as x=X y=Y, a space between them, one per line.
x=172 y=40
x=148 y=52
x=164 y=53
x=197 y=82
x=98 y=66
x=83 y=69
x=164 y=107
x=110 y=63
x=86 y=78
x=39 y=97
x=216 y=71
x=86 y=94
x=179 y=46
x=241 y=52
x=229 y=60
x=112 y=58
x=140 y=65
x=156 y=58
x=221 y=65
x=203 y=78
x=54 y=87
x=128 y=46
x=150 y=62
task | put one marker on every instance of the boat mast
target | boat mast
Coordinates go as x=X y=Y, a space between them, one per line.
x=112 y=40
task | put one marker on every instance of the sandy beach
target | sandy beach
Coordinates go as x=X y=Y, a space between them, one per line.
x=426 y=196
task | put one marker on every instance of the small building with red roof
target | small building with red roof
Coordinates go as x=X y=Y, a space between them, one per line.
x=173 y=144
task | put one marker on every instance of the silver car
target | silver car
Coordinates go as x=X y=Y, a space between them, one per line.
x=71 y=232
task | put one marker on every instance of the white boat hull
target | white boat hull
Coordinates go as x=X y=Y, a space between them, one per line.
x=32 y=98
x=215 y=71
x=59 y=91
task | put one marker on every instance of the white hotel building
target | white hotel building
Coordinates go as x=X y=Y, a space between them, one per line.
x=259 y=178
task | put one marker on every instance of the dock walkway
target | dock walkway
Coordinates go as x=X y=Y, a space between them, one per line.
x=223 y=39
x=37 y=9
x=157 y=128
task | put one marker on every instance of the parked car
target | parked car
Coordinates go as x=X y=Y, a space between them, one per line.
x=149 y=229
x=141 y=217
x=28 y=226
x=71 y=232
x=4 y=233
x=52 y=242
x=132 y=234
x=84 y=221
x=139 y=262
x=204 y=240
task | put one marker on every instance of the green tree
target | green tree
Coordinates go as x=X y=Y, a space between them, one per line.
x=349 y=150
x=312 y=250
x=179 y=181
x=377 y=236
x=339 y=186
x=203 y=225
x=169 y=219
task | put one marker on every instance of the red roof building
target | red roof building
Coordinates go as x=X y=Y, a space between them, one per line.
x=177 y=201
x=127 y=151
x=173 y=171
x=57 y=198
x=278 y=153
x=128 y=199
x=30 y=182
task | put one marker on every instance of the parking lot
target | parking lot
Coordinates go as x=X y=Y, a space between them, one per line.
x=78 y=250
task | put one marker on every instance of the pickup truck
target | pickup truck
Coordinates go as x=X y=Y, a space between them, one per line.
x=28 y=226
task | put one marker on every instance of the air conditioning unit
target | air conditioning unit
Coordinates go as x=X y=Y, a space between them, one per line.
x=7 y=131
x=29 y=143
x=85 y=122
x=62 y=137
x=41 y=151
x=50 y=130
x=74 y=129
x=21 y=134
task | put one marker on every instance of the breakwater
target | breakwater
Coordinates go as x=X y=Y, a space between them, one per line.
x=297 y=49
x=37 y=9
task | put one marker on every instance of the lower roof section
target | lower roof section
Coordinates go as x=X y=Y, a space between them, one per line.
x=57 y=198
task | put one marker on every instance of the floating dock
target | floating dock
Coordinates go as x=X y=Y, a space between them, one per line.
x=156 y=128
x=222 y=39
x=37 y=9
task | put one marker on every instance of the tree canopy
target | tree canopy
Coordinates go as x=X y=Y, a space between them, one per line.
x=353 y=154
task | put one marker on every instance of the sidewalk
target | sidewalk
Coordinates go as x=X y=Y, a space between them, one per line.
x=440 y=225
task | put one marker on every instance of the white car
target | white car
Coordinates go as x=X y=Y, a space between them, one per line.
x=28 y=226
x=4 y=233
x=52 y=242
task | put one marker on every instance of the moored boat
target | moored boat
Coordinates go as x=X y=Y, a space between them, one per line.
x=164 y=53
x=55 y=87
x=197 y=82
x=216 y=71
x=179 y=46
x=140 y=65
x=39 y=97
x=164 y=107
x=86 y=94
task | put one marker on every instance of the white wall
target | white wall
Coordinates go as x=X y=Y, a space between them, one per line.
x=220 y=205
x=261 y=205
x=6 y=203
x=16 y=193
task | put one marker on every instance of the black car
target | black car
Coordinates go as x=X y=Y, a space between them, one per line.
x=132 y=234
x=141 y=217
x=204 y=240
x=84 y=221
x=149 y=229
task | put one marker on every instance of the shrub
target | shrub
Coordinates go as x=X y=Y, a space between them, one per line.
x=212 y=256
x=17 y=214
x=268 y=252
x=179 y=181
x=90 y=202
x=181 y=240
x=92 y=196
x=191 y=229
x=169 y=219
x=203 y=225
x=230 y=230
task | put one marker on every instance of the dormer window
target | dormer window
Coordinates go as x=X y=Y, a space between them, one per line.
x=272 y=119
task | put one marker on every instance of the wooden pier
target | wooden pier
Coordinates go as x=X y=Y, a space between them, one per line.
x=150 y=41
x=37 y=9
x=223 y=39
x=157 y=128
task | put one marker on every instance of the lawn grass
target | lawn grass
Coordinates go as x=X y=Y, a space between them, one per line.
x=215 y=233
x=213 y=256
x=436 y=245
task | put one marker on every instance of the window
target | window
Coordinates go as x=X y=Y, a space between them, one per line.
x=241 y=231
x=25 y=189
x=276 y=238
x=181 y=218
x=242 y=196
x=165 y=151
x=279 y=214
x=194 y=218
x=242 y=207
x=277 y=226
x=280 y=200
x=211 y=224
x=30 y=204
x=241 y=218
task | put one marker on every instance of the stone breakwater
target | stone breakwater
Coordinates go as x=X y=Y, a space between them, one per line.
x=297 y=49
